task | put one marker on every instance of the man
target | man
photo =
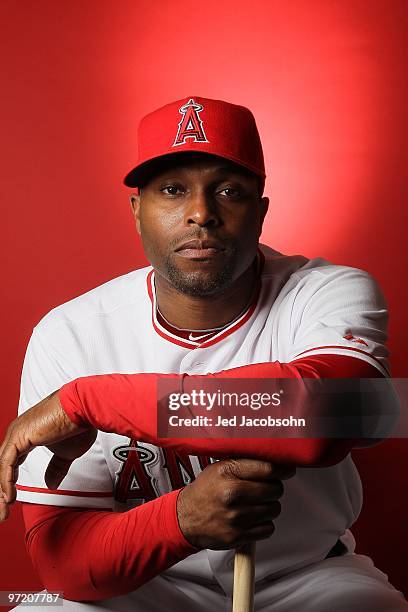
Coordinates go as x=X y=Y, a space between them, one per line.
x=212 y=303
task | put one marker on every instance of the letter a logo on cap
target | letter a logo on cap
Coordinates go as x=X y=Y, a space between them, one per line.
x=190 y=126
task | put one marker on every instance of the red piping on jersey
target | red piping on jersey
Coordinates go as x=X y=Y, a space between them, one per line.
x=156 y=328
x=66 y=492
x=217 y=338
x=346 y=348
x=238 y=324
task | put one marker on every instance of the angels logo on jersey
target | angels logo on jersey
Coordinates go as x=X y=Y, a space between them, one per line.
x=190 y=126
x=147 y=471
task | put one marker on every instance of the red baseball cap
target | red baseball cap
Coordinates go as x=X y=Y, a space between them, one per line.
x=198 y=124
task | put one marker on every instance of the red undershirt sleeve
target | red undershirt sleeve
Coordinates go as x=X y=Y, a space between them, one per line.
x=127 y=404
x=92 y=555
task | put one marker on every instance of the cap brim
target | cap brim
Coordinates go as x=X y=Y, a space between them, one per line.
x=139 y=174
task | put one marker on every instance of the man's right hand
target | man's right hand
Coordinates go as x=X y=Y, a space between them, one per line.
x=232 y=502
x=45 y=424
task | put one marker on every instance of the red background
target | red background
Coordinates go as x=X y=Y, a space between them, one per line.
x=326 y=80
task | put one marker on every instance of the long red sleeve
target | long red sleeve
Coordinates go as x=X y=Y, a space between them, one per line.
x=127 y=404
x=92 y=555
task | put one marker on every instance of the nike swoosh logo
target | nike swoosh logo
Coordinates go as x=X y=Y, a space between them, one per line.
x=194 y=338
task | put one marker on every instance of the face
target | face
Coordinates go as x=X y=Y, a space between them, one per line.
x=200 y=224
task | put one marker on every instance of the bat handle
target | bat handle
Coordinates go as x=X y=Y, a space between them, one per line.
x=244 y=575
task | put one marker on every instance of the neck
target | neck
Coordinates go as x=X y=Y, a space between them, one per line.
x=206 y=312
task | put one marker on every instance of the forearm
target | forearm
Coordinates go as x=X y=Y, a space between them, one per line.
x=93 y=555
x=127 y=404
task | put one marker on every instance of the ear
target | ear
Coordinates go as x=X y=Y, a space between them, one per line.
x=135 y=205
x=264 y=209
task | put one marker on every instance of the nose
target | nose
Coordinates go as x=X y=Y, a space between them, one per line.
x=201 y=210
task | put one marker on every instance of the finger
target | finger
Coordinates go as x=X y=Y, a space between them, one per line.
x=284 y=472
x=6 y=440
x=4 y=508
x=255 y=469
x=249 y=517
x=56 y=471
x=8 y=462
x=258 y=532
x=253 y=493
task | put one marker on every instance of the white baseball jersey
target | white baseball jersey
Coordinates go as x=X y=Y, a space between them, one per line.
x=304 y=307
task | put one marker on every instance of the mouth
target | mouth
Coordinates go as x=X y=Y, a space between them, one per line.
x=200 y=249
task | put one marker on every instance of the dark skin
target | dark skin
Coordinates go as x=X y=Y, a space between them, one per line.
x=206 y=199
x=205 y=285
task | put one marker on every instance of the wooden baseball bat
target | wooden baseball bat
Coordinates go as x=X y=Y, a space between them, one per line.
x=244 y=574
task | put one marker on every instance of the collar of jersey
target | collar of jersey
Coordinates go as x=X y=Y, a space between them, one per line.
x=191 y=344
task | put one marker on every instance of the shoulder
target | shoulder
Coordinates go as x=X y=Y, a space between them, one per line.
x=319 y=276
x=102 y=301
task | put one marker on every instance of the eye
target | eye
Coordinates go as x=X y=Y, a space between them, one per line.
x=230 y=192
x=171 y=190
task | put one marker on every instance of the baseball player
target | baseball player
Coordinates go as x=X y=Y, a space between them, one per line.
x=123 y=520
